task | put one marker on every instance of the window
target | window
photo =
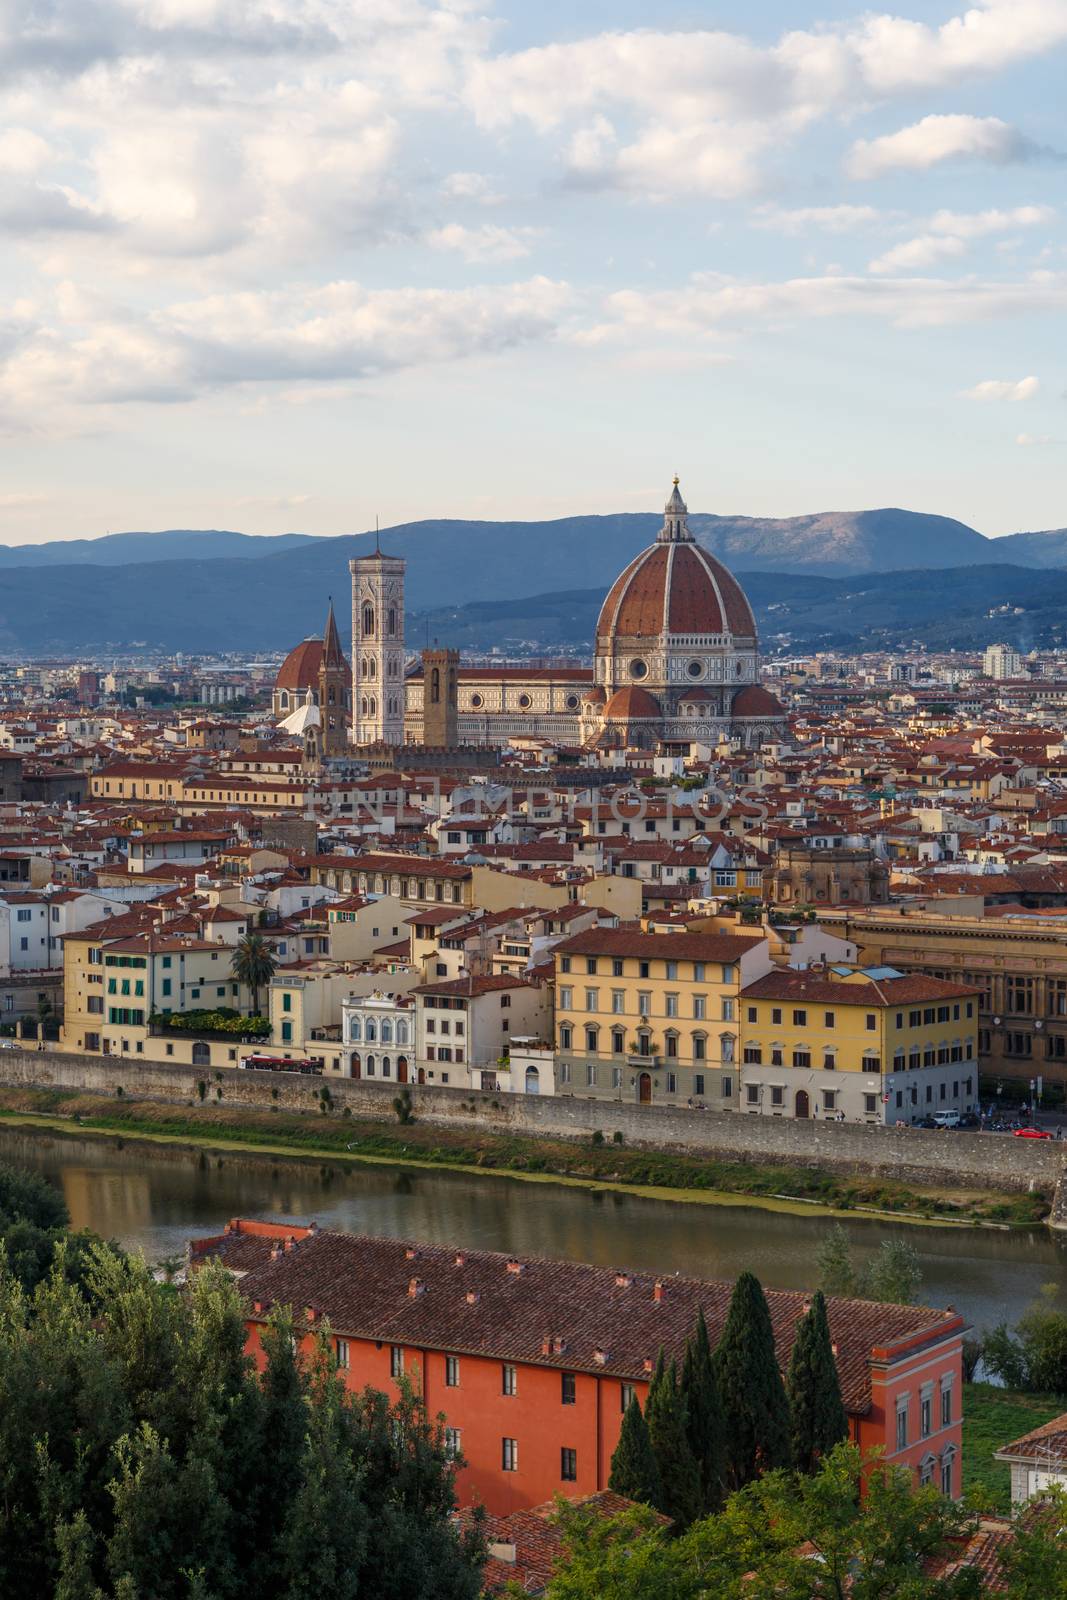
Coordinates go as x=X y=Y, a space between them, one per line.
x=618 y=1041
x=871 y=1022
x=926 y=1407
x=752 y=1094
x=644 y=969
x=672 y=971
x=946 y=1476
x=753 y=1014
x=509 y=1455
x=671 y=1041
x=590 y=963
x=700 y=1047
x=566 y=1035
x=566 y=998
x=698 y=1083
x=592 y=999
x=672 y=1083
x=453 y=1444
x=671 y=1005
x=509 y=1380
x=829 y=1099
x=564 y=963
x=591 y=1043
x=616 y=967
x=902 y=1424
x=644 y=1002
x=451 y=1372
x=946 y=1403
x=728 y=1011
x=926 y=1471
x=590 y=1074
x=829 y=1019
x=753 y=1055
x=618 y=1002
x=870 y=1104
x=568 y=1395
x=727 y=1088
x=287 y=1002
x=342 y=1353
x=627 y=1392
x=777 y=1095
x=568 y=1465
x=776 y=1014
x=802 y=1058
x=396 y=1361
x=616 y=1077
x=698 y=971
x=800 y=1019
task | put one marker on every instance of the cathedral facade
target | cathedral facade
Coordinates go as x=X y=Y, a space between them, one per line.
x=675 y=662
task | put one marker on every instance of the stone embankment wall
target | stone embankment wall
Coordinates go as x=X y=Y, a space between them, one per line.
x=912 y=1155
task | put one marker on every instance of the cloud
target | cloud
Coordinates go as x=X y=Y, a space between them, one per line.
x=831 y=219
x=938 y=138
x=473 y=186
x=1003 y=389
x=1028 y=440
x=21 y=502
x=484 y=244
x=338 y=331
x=926 y=251
x=976 y=224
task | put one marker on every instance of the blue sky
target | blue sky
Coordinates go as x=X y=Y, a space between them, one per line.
x=288 y=264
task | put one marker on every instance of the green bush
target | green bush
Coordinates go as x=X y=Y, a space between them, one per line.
x=224 y=1020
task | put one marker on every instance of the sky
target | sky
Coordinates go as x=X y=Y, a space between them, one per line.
x=284 y=265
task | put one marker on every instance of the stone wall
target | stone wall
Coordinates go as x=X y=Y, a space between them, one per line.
x=971 y=1160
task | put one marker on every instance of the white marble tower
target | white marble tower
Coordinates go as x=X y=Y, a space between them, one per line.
x=377 y=649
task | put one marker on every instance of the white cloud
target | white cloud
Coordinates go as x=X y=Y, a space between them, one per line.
x=925 y=251
x=23 y=152
x=487 y=243
x=1004 y=389
x=21 y=502
x=976 y=224
x=937 y=138
x=1028 y=440
x=831 y=219
x=474 y=186
x=340 y=330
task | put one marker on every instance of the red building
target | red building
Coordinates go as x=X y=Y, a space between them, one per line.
x=532 y=1362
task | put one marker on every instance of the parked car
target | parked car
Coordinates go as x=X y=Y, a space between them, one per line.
x=970 y=1120
x=1032 y=1133
x=946 y=1119
x=926 y=1122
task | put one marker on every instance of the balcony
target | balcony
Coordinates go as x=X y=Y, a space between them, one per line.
x=652 y=1062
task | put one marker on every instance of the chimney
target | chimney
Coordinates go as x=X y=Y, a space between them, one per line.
x=257 y=1306
x=833 y=1347
x=600 y=1357
x=805 y=1306
x=559 y=1345
x=658 y=1291
x=623 y=1280
x=415 y=1288
x=461 y=1260
x=515 y=1267
x=473 y=1297
x=648 y=1365
x=411 y=1254
x=275 y=1251
x=311 y=1313
x=290 y=1242
x=546 y=1346
x=502 y=1551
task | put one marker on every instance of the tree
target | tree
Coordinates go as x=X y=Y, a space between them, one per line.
x=755 y=1408
x=833 y=1258
x=704 y=1419
x=785 y=1537
x=676 y=1465
x=634 y=1472
x=1033 y=1355
x=817 y=1413
x=253 y=964
x=892 y=1275
x=1034 y=1564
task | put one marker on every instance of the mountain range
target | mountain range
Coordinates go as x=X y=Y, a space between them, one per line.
x=212 y=590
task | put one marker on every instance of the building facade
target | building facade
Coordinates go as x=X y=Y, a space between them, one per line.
x=533 y=1362
x=377 y=649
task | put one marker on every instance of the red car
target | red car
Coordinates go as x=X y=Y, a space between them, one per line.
x=1032 y=1133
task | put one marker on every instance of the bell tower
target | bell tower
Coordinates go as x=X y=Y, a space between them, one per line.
x=377 y=649
x=440 y=700
x=335 y=693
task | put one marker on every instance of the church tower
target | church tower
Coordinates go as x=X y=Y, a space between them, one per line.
x=335 y=694
x=377 y=649
x=440 y=698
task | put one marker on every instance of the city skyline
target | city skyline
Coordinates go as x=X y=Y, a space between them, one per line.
x=289 y=267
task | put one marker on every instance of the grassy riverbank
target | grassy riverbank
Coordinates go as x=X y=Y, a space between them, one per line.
x=992 y=1418
x=672 y=1174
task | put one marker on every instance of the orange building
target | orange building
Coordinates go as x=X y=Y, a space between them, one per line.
x=532 y=1362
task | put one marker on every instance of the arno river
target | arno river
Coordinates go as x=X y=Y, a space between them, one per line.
x=154 y=1197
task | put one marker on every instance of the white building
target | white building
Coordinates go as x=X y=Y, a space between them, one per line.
x=1002 y=661
x=379 y=1029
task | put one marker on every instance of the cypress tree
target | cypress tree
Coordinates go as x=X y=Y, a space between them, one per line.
x=634 y=1472
x=679 y=1474
x=817 y=1412
x=755 y=1408
x=704 y=1418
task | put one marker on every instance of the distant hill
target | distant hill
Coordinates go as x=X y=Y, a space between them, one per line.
x=170 y=544
x=835 y=543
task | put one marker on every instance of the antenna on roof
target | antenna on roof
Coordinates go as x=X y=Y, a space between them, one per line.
x=377 y=538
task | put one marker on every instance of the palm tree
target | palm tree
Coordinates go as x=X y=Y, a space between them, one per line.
x=253 y=964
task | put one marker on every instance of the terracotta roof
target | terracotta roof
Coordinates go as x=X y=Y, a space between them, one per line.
x=726 y=947
x=756 y=701
x=910 y=988
x=484 y=1303
x=1049 y=1442
x=300 y=669
x=631 y=703
x=675 y=588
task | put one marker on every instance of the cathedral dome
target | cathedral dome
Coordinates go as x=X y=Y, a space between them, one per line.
x=631 y=705
x=300 y=669
x=674 y=587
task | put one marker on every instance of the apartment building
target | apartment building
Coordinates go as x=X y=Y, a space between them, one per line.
x=464 y=1026
x=861 y=1045
x=653 y=1018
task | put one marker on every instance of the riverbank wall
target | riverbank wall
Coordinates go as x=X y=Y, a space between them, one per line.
x=941 y=1158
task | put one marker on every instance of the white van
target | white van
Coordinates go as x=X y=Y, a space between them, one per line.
x=947 y=1119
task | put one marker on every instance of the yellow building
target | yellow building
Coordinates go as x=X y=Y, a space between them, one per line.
x=858 y=1045
x=652 y=1018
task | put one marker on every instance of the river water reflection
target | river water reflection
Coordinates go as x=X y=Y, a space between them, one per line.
x=156 y=1196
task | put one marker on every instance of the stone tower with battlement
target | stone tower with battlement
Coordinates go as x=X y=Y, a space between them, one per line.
x=440 y=690
x=377 y=649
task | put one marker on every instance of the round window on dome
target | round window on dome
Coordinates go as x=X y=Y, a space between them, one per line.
x=695 y=669
x=638 y=668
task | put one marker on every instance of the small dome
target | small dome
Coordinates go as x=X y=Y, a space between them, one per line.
x=631 y=705
x=595 y=696
x=756 y=701
x=300 y=669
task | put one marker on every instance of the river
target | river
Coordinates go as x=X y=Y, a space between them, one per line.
x=154 y=1197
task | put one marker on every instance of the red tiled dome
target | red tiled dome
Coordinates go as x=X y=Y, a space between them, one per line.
x=756 y=701
x=300 y=669
x=631 y=704
x=595 y=696
x=675 y=587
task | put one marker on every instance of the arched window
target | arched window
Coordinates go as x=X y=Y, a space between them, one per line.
x=401 y=1031
x=592 y=1040
x=357 y=1030
x=435 y=686
x=368 y=619
x=727 y=1044
x=372 y=1030
x=387 y=1067
x=332 y=695
x=371 y=1068
x=392 y=621
x=387 y=1031
x=566 y=1034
